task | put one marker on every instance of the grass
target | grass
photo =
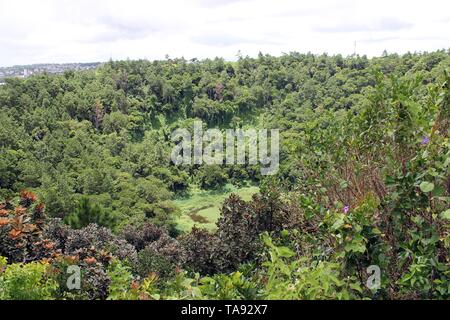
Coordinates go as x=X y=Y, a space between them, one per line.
x=202 y=208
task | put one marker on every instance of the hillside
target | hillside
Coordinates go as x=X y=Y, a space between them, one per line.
x=86 y=178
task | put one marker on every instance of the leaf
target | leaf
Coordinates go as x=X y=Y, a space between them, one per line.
x=356 y=287
x=439 y=191
x=376 y=231
x=446 y=214
x=355 y=247
x=447 y=162
x=426 y=186
x=196 y=292
x=285 y=252
x=337 y=224
x=284 y=233
x=343 y=184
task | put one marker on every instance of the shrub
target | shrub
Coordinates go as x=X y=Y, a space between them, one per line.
x=228 y=287
x=31 y=281
x=199 y=245
x=93 y=266
x=21 y=226
x=289 y=278
x=169 y=248
x=95 y=282
x=57 y=231
x=241 y=223
x=142 y=236
x=151 y=262
x=122 y=286
x=236 y=235
x=99 y=238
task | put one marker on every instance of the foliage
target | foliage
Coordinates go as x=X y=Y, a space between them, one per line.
x=123 y=286
x=31 y=281
x=143 y=235
x=228 y=287
x=296 y=279
x=363 y=180
x=99 y=238
x=151 y=262
x=211 y=177
x=21 y=225
x=86 y=213
x=199 y=245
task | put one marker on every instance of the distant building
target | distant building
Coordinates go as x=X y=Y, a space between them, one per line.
x=28 y=70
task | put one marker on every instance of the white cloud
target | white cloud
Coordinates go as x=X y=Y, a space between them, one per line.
x=70 y=31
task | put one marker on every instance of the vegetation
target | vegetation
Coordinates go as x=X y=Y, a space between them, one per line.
x=364 y=180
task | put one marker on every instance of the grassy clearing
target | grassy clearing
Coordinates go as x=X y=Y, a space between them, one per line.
x=202 y=208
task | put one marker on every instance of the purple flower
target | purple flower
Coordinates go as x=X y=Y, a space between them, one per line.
x=425 y=140
x=346 y=209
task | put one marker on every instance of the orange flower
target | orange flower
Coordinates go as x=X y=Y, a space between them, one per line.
x=4 y=221
x=4 y=213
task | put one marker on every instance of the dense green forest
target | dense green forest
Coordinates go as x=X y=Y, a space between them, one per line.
x=364 y=180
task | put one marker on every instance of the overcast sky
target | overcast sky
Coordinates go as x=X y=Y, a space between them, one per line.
x=85 y=30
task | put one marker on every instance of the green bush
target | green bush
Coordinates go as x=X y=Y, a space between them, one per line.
x=150 y=261
x=31 y=281
x=290 y=278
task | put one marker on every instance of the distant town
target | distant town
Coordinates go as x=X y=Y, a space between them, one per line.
x=28 y=70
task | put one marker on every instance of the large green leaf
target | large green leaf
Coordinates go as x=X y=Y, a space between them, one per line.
x=446 y=214
x=426 y=186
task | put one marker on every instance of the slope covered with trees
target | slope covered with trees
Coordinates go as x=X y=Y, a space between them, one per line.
x=364 y=180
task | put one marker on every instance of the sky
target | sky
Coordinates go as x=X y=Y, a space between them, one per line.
x=59 y=31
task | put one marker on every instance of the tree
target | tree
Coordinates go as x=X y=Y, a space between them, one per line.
x=87 y=213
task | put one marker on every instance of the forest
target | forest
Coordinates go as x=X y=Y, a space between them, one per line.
x=358 y=209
